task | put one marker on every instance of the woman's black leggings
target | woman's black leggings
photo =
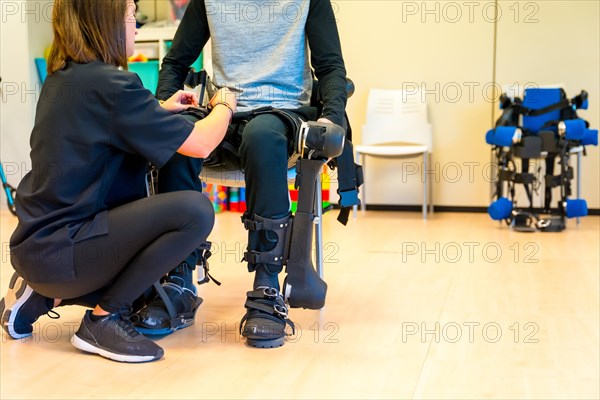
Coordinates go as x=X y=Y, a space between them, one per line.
x=146 y=239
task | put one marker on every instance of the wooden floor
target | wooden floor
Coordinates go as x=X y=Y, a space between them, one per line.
x=454 y=307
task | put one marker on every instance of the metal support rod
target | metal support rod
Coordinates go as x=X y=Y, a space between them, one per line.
x=319 y=227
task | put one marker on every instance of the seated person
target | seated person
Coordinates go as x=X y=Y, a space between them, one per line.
x=265 y=59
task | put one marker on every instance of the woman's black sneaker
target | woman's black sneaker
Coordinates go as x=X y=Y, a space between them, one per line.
x=115 y=338
x=21 y=307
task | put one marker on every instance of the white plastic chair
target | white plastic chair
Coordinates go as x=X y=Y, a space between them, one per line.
x=396 y=127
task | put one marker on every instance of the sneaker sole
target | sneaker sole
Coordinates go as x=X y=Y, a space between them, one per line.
x=164 y=331
x=185 y=322
x=83 y=345
x=18 y=293
x=265 y=344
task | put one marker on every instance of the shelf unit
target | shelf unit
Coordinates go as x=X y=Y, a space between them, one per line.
x=154 y=42
x=159 y=35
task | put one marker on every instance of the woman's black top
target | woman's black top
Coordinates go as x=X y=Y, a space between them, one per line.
x=96 y=128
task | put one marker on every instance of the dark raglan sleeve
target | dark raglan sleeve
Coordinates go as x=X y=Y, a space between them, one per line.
x=326 y=59
x=141 y=126
x=190 y=38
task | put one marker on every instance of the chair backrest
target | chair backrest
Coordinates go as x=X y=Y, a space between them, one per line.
x=396 y=116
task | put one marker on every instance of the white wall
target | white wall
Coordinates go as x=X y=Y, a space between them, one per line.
x=155 y=9
x=396 y=45
x=24 y=33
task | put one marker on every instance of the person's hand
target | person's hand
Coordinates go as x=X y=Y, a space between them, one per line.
x=224 y=95
x=180 y=101
x=327 y=121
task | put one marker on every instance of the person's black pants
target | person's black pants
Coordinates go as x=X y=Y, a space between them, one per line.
x=264 y=153
x=181 y=173
x=264 y=149
x=146 y=239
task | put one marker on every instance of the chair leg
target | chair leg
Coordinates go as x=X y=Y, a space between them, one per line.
x=578 y=179
x=430 y=186
x=319 y=227
x=363 y=205
x=355 y=207
x=425 y=202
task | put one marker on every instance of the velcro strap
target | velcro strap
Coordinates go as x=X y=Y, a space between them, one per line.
x=272 y=318
x=525 y=177
x=506 y=175
x=553 y=181
x=252 y=225
x=344 y=215
x=262 y=257
x=203 y=255
x=552 y=107
x=264 y=293
x=276 y=310
x=350 y=177
x=166 y=300
x=264 y=224
x=349 y=198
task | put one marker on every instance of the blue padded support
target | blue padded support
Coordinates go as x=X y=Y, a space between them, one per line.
x=575 y=129
x=500 y=209
x=489 y=137
x=536 y=98
x=501 y=136
x=576 y=208
x=590 y=137
x=584 y=105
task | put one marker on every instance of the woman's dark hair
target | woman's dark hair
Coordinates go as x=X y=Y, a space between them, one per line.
x=88 y=30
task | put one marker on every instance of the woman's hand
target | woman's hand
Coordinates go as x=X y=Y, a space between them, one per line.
x=226 y=97
x=210 y=131
x=180 y=101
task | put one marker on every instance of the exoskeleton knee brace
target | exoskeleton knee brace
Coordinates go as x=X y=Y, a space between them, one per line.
x=278 y=254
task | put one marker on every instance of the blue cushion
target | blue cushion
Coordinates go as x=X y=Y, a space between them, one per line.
x=590 y=137
x=575 y=129
x=501 y=136
x=576 y=208
x=536 y=98
x=500 y=209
